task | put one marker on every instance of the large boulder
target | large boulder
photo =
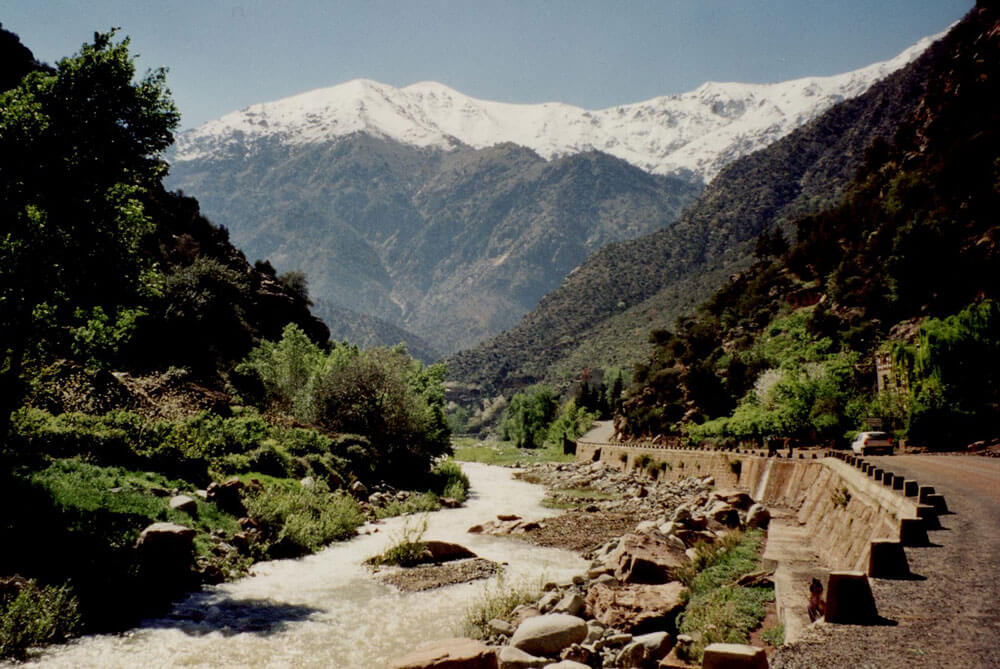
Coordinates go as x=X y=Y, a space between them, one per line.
x=758 y=516
x=647 y=558
x=636 y=608
x=549 y=634
x=166 y=538
x=185 y=504
x=725 y=514
x=228 y=496
x=449 y=654
x=735 y=498
x=442 y=551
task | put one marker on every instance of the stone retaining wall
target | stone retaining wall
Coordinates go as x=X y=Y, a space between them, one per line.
x=841 y=509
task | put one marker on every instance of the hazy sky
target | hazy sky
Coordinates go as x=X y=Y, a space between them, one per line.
x=224 y=55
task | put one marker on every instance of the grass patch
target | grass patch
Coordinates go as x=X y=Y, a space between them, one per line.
x=718 y=611
x=408 y=549
x=573 y=498
x=775 y=636
x=299 y=520
x=498 y=600
x=36 y=616
x=506 y=452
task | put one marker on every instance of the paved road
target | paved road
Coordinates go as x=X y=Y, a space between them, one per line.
x=950 y=618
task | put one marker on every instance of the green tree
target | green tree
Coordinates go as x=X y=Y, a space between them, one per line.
x=527 y=419
x=79 y=149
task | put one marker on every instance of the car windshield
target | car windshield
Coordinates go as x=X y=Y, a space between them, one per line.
x=876 y=435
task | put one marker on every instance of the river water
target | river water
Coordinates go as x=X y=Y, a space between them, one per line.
x=327 y=610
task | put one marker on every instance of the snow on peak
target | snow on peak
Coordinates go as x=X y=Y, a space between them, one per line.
x=697 y=133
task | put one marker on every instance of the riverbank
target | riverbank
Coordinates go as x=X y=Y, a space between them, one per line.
x=329 y=609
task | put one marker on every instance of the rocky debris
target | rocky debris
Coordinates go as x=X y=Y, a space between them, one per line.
x=657 y=644
x=504 y=525
x=638 y=539
x=636 y=607
x=185 y=504
x=430 y=576
x=228 y=496
x=549 y=634
x=449 y=654
x=734 y=498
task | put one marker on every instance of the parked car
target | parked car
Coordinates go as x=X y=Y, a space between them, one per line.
x=872 y=443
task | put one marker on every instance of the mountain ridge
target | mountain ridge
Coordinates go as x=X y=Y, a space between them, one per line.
x=691 y=134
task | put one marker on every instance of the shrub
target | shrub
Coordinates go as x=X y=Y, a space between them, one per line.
x=408 y=549
x=497 y=600
x=450 y=480
x=35 y=616
x=774 y=636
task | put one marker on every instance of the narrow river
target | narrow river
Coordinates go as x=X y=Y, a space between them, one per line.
x=327 y=610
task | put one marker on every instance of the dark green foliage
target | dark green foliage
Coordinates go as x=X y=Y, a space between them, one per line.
x=448 y=480
x=72 y=521
x=78 y=150
x=719 y=611
x=393 y=403
x=193 y=449
x=954 y=377
x=33 y=616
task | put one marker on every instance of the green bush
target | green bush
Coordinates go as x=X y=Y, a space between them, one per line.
x=36 y=616
x=295 y=520
x=450 y=480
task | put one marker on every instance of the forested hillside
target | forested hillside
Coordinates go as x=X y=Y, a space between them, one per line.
x=902 y=270
x=598 y=317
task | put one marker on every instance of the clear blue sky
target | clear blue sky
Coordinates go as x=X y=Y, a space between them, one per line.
x=226 y=54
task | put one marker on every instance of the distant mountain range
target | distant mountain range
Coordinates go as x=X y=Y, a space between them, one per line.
x=451 y=217
x=694 y=134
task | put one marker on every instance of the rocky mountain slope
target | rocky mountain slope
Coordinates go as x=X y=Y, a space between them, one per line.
x=453 y=246
x=602 y=312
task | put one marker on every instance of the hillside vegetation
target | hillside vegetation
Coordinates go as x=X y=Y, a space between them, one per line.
x=169 y=413
x=902 y=268
x=600 y=313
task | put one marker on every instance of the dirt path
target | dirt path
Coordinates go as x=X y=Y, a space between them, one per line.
x=951 y=616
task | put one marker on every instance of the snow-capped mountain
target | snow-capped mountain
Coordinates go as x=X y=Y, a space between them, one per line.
x=694 y=134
